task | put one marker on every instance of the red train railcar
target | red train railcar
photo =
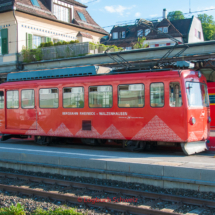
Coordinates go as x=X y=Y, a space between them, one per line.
x=211 y=91
x=134 y=108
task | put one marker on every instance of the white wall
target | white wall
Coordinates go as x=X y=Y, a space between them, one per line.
x=161 y=42
x=46 y=28
x=196 y=24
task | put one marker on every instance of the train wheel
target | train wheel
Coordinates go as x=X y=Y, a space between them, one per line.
x=150 y=146
x=193 y=147
x=91 y=142
x=134 y=145
x=45 y=141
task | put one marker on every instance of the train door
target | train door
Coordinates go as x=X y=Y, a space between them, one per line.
x=197 y=112
x=21 y=110
x=12 y=109
x=28 y=110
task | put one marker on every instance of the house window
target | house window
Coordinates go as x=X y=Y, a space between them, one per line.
x=123 y=34
x=35 y=3
x=115 y=35
x=165 y=30
x=82 y=17
x=147 y=31
x=56 y=40
x=196 y=33
x=37 y=40
x=199 y=34
x=140 y=33
x=128 y=48
x=160 y=30
x=62 y=13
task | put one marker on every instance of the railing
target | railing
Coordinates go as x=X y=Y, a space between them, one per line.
x=62 y=51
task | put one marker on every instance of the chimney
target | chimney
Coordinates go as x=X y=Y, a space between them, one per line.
x=164 y=13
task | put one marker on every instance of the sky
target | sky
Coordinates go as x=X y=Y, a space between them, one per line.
x=114 y=12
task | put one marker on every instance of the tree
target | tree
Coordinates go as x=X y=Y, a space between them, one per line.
x=208 y=25
x=175 y=15
x=140 y=43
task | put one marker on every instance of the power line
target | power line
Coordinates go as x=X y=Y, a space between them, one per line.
x=91 y=1
x=160 y=17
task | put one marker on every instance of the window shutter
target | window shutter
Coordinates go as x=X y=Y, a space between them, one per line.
x=48 y=39
x=4 y=38
x=29 y=42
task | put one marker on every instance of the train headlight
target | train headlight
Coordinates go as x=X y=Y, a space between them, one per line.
x=199 y=74
x=209 y=119
x=193 y=120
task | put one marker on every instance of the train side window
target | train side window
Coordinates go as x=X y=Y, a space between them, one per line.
x=100 y=97
x=131 y=95
x=13 y=99
x=28 y=99
x=49 y=98
x=73 y=97
x=157 y=94
x=175 y=99
x=1 y=99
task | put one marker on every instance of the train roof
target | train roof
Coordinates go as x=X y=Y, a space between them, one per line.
x=71 y=72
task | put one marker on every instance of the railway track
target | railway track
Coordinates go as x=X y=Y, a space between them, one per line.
x=128 y=208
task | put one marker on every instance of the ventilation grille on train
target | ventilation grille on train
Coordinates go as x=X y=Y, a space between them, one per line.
x=86 y=125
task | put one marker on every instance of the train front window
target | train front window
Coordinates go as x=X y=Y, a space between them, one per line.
x=205 y=97
x=157 y=94
x=197 y=94
x=131 y=96
x=49 y=98
x=100 y=97
x=175 y=95
x=12 y=99
x=1 y=99
x=73 y=97
x=27 y=99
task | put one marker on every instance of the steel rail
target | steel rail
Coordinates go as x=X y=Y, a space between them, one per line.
x=107 y=189
x=74 y=199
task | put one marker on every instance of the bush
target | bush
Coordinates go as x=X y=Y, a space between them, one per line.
x=73 y=41
x=20 y=210
x=58 y=43
x=13 y=210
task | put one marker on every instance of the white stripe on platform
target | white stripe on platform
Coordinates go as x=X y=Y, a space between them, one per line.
x=65 y=153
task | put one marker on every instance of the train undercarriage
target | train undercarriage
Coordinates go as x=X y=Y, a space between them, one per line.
x=188 y=148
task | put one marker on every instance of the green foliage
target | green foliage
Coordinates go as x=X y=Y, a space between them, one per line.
x=208 y=25
x=20 y=210
x=175 y=15
x=58 y=43
x=139 y=44
x=32 y=55
x=13 y=210
x=48 y=44
x=58 y=211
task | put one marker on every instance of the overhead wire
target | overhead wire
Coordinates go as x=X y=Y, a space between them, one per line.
x=160 y=17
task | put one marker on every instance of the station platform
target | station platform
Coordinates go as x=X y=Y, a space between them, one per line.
x=162 y=169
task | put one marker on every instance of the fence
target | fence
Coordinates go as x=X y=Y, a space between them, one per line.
x=62 y=51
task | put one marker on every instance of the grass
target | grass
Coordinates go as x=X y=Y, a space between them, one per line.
x=20 y=210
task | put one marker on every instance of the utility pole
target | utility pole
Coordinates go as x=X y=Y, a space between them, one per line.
x=190 y=6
